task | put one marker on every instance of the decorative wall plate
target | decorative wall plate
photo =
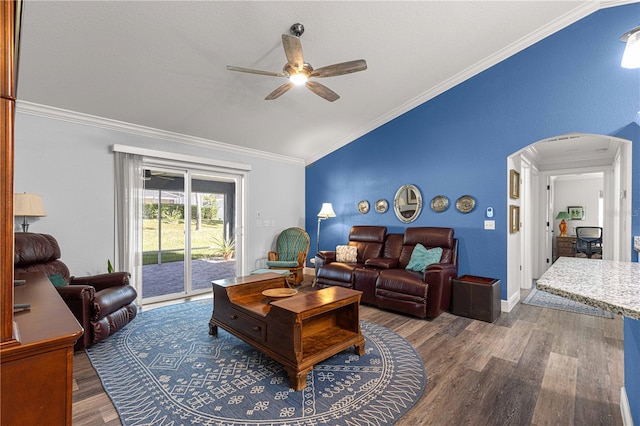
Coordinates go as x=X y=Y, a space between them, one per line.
x=382 y=205
x=439 y=203
x=363 y=206
x=465 y=204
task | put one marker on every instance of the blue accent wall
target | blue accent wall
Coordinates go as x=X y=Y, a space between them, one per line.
x=458 y=143
x=632 y=366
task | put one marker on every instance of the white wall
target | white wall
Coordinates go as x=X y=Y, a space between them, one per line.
x=577 y=191
x=68 y=161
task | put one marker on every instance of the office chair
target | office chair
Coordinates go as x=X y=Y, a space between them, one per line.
x=589 y=240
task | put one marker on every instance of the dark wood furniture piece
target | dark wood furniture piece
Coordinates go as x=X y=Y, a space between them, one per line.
x=37 y=373
x=298 y=331
x=565 y=246
x=9 y=22
x=476 y=297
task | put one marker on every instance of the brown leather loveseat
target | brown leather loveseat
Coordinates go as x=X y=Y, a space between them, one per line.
x=380 y=269
x=102 y=304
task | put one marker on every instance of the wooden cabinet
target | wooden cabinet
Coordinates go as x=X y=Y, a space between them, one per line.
x=36 y=345
x=37 y=373
x=564 y=246
x=9 y=21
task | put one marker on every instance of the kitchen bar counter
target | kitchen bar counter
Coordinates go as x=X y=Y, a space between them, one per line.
x=607 y=284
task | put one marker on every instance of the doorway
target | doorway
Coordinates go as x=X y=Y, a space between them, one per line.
x=188 y=231
x=572 y=154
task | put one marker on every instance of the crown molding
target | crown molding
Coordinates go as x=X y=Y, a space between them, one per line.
x=562 y=22
x=60 y=114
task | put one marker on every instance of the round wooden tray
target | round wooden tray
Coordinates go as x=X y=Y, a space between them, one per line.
x=279 y=292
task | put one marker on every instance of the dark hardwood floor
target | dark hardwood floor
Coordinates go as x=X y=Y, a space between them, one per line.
x=532 y=366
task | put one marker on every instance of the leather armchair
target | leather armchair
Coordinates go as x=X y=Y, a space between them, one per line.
x=369 y=241
x=102 y=304
x=425 y=294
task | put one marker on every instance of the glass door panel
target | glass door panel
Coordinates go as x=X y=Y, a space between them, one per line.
x=213 y=249
x=163 y=234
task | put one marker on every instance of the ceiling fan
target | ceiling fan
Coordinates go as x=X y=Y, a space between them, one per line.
x=299 y=72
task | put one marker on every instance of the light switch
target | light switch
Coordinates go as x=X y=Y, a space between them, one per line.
x=490 y=224
x=258 y=222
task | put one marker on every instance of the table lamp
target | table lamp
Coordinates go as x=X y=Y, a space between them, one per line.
x=28 y=205
x=563 y=224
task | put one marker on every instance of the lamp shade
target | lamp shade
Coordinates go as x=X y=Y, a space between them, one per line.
x=326 y=211
x=631 y=55
x=563 y=215
x=28 y=205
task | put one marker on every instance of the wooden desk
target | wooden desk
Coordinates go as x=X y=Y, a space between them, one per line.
x=564 y=246
x=37 y=373
x=298 y=332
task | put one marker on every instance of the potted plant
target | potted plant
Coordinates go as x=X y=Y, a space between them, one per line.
x=226 y=247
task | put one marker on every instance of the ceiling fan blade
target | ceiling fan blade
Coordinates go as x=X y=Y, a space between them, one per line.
x=279 y=91
x=322 y=91
x=340 y=69
x=293 y=51
x=252 y=71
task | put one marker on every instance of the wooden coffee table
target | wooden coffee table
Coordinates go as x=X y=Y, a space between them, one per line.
x=298 y=331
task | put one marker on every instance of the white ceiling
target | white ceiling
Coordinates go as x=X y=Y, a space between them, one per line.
x=162 y=64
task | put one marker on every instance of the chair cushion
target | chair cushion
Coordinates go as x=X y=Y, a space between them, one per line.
x=290 y=243
x=33 y=248
x=347 y=254
x=282 y=263
x=401 y=281
x=421 y=258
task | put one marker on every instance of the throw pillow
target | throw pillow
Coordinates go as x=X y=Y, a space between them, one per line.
x=346 y=254
x=57 y=280
x=421 y=258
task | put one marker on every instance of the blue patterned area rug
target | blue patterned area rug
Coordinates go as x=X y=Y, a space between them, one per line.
x=165 y=369
x=547 y=300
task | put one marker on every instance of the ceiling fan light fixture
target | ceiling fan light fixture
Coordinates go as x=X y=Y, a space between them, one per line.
x=298 y=79
x=631 y=55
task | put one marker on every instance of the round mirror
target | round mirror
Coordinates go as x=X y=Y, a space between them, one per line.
x=408 y=203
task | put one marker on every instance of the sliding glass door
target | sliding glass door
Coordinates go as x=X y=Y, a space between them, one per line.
x=188 y=231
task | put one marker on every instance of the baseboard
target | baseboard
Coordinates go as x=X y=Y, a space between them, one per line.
x=309 y=271
x=508 y=305
x=625 y=410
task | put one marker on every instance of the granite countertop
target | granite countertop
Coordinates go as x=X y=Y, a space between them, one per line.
x=607 y=284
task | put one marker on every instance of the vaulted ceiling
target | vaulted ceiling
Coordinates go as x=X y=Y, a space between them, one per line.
x=162 y=64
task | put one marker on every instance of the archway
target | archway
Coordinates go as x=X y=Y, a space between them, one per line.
x=530 y=251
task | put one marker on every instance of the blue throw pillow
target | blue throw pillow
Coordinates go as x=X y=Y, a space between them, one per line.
x=421 y=258
x=57 y=280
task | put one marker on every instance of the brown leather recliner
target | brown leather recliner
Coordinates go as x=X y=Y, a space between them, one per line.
x=425 y=294
x=369 y=241
x=102 y=304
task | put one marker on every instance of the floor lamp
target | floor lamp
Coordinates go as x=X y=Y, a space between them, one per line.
x=325 y=212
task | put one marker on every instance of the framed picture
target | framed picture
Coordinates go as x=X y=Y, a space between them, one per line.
x=514 y=219
x=576 y=212
x=514 y=184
